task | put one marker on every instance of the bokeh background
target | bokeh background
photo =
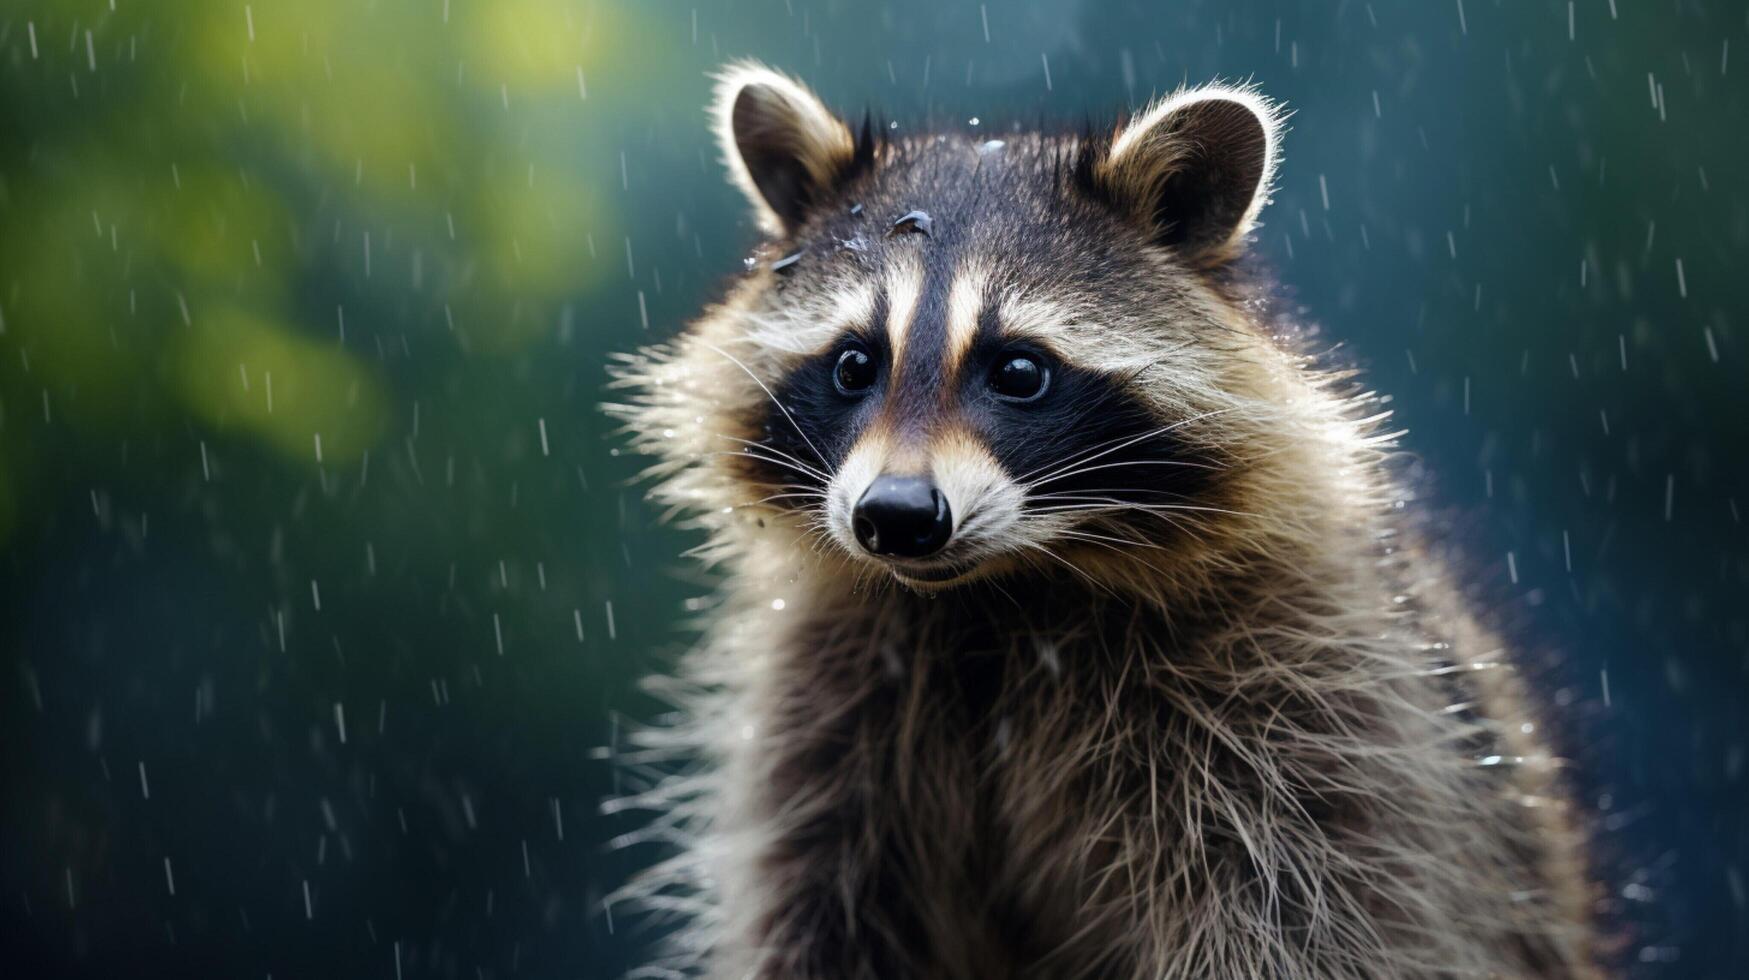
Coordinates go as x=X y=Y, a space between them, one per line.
x=323 y=589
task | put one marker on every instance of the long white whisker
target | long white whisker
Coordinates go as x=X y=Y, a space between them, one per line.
x=1112 y=544
x=749 y=371
x=807 y=472
x=1106 y=538
x=785 y=496
x=1073 y=568
x=1070 y=460
x=1108 y=495
x=1185 y=524
x=1080 y=471
x=1033 y=479
x=766 y=447
x=1146 y=508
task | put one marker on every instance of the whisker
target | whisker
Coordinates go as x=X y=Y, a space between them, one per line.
x=767 y=447
x=1110 y=495
x=1073 y=568
x=1108 y=544
x=749 y=371
x=1085 y=501
x=1069 y=460
x=1122 y=463
x=1093 y=406
x=744 y=454
x=1147 y=508
x=1105 y=538
x=1033 y=478
x=1183 y=524
x=785 y=496
x=1005 y=593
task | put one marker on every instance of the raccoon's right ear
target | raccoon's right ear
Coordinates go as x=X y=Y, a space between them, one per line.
x=782 y=146
x=1195 y=168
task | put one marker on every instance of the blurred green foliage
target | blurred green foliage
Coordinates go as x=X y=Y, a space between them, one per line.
x=300 y=316
x=159 y=247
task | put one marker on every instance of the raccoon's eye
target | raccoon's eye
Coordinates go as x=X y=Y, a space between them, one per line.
x=1020 y=376
x=855 y=372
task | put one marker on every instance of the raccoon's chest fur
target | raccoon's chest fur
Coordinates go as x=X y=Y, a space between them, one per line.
x=988 y=785
x=942 y=746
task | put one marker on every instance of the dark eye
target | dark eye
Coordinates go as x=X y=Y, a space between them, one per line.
x=855 y=372
x=1020 y=376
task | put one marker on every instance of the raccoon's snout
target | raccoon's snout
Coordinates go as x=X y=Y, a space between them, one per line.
x=902 y=517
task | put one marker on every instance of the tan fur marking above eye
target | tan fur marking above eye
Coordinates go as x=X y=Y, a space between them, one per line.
x=816 y=325
x=1073 y=335
x=854 y=305
x=1031 y=317
x=904 y=291
x=965 y=301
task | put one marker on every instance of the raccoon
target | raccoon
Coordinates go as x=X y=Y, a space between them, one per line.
x=1073 y=622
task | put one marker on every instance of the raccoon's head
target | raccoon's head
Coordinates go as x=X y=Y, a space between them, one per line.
x=971 y=353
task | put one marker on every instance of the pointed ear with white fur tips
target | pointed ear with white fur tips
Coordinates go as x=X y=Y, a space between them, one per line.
x=1194 y=169
x=783 y=147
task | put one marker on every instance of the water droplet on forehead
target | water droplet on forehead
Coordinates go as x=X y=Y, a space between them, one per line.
x=990 y=147
x=913 y=222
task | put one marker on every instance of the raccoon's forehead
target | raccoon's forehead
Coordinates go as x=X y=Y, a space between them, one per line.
x=957 y=169
x=949 y=228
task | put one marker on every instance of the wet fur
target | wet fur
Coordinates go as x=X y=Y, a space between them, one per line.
x=1258 y=735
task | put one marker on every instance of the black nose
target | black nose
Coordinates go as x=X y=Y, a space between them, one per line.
x=902 y=516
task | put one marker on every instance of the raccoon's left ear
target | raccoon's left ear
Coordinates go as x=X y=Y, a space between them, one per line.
x=783 y=147
x=1195 y=168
